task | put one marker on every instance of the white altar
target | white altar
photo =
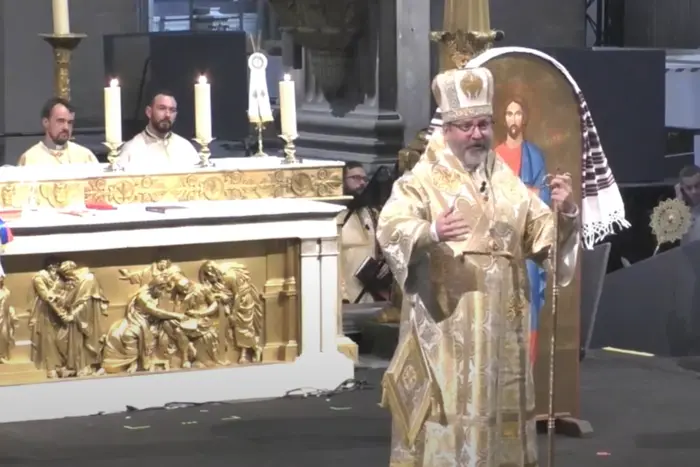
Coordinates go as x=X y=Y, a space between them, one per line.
x=319 y=363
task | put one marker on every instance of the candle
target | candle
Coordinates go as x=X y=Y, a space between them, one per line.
x=288 y=107
x=61 y=18
x=113 y=112
x=202 y=110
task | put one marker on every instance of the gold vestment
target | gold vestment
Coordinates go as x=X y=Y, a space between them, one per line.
x=460 y=385
x=72 y=153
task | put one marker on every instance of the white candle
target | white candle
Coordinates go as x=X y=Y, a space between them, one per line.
x=288 y=107
x=202 y=110
x=61 y=17
x=113 y=112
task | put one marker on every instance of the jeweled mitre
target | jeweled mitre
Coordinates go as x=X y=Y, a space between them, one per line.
x=464 y=93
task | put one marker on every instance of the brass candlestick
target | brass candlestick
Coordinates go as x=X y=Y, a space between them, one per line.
x=63 y=46
x=260 y=126
x=113 y=156
x=290 y=151
x=204 y=153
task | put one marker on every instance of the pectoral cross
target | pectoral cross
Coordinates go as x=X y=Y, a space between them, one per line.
x=466 y=32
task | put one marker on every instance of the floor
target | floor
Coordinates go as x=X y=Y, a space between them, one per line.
x=645 y=412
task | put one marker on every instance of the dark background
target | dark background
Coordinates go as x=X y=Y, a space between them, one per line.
x=626 y=93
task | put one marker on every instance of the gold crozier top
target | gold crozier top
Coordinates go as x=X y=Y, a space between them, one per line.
x=466 y=32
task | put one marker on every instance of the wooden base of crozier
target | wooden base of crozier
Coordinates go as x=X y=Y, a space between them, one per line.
x=347 y=347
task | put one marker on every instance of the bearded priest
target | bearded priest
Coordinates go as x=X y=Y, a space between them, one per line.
x=456 y=232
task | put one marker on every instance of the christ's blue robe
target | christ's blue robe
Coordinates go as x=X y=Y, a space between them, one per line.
x=533 y=173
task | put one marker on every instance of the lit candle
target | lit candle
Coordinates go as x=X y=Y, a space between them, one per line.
x=202 y=110
x=113 y=112
x=288 y=107
x=61 y=18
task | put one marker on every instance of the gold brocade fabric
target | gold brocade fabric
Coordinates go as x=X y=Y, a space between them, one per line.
x=464 y=315
x=72 y=153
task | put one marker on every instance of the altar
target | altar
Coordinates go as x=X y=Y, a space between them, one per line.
x=229 y=178
x=150 y=303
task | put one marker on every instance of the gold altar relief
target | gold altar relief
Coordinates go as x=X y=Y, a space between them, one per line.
x=106 y=313
x=286 y=182
x=8 y=324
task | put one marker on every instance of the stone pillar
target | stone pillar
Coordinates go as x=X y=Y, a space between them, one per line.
x=310 y=298
x=330 y=309
x=414 y=74
x=348 y=109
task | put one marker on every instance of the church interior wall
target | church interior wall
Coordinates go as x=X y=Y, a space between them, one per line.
x=28 y=64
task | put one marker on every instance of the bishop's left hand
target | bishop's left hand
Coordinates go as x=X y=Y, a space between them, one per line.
x=562 y=192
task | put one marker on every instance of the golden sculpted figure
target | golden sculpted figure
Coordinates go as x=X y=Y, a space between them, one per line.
x=170 y=321
x=64 y=321
x=233 y=290
x=149 y=332
x=8 y=323
x=198 y=305
x=131 y=342
x=162 y=267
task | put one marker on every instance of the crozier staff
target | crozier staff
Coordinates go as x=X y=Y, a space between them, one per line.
x=456 y=232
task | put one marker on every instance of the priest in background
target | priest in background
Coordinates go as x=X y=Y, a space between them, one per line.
x=157 y=146
x=456 y=232
x=357 y=236
x=57 y=118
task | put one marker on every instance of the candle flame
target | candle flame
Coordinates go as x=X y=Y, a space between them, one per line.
x=114 y=83
x=202 y=80
x=287 y=77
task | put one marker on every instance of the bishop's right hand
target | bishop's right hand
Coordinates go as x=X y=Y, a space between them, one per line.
x=450 y=226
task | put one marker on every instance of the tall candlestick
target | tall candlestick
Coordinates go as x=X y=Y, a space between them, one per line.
x=288 y=107
x=61 y=17
x=113 y=112
x=202 y=109
x=469 y=15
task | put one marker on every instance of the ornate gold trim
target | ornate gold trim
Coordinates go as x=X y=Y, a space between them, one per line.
x=286 y=182
x=409 y=359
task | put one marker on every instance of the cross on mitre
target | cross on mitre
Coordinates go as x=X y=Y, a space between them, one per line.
x=471 y=85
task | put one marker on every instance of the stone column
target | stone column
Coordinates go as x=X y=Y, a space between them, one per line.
x=348 y=109
x=329 y=294
x=310 y=298
x=413 y=52
x=319 y=310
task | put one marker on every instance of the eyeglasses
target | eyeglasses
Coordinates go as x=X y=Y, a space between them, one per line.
x=468 y=127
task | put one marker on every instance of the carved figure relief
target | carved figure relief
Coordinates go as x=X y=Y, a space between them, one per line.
x=64 y=320
x=8 y=324
x=131 y=343
x=241 y=304
x=171 y=321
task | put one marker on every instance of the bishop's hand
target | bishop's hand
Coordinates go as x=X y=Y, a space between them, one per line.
x=451 y=226
x=562 y=193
